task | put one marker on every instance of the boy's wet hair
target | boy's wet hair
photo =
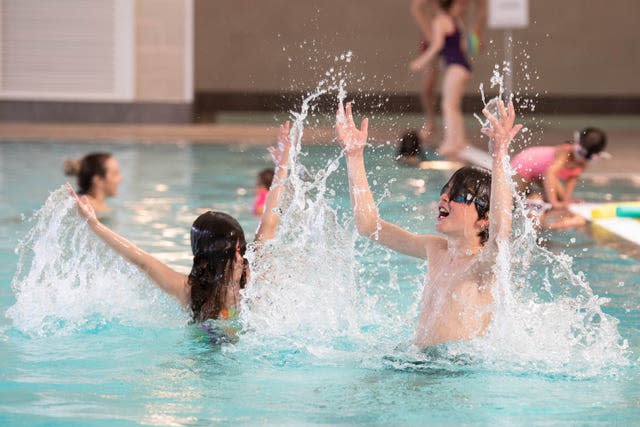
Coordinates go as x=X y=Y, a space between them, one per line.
x=592 y=141
x=409 y=145
x=474 y=183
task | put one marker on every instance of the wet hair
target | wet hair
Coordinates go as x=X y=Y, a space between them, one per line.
x=265 y=177
x=474 y=184
x=214 y=239
x=592 y=141
x=409 y=145
x=445 y=4
x=86 y=168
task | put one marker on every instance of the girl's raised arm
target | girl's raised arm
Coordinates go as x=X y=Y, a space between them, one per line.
x=280 y=154
x=162 y=275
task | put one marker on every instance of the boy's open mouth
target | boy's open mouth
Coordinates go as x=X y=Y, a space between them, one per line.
x=442 y=212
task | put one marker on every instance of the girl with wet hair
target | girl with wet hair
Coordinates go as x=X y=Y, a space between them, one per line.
x=473 y=218
x=263 y=183
x=219 y=267
x=219 y=271
x=98 y=178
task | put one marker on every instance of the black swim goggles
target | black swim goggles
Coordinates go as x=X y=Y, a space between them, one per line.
x=464 y=196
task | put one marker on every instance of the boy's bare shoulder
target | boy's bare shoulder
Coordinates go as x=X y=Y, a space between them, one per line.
x=436 y=244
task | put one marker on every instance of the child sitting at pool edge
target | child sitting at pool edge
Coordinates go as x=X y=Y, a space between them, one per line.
x=474 y=214
x=551 y=173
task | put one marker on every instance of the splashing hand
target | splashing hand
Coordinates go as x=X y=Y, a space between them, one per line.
x=84 y=206
x=280 y=153
x=502 y=130
x=352 y=139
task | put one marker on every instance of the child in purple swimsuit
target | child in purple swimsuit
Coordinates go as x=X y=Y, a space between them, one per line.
x=447 y=41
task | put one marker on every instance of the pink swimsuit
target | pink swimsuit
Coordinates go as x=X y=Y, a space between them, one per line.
x=533 y=163
x=259 y=201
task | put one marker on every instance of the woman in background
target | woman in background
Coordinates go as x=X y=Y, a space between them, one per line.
x=98 y=178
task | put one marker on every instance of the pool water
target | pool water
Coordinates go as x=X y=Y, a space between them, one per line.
x=87 y=340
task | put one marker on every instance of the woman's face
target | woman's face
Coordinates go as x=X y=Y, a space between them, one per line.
x=112 y=178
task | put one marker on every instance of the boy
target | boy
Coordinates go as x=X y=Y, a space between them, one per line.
x=474 y=214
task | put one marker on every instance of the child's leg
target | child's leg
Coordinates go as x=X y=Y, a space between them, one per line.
x=428 y=98
x=455 y=79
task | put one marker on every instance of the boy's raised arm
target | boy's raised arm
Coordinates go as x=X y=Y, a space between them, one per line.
x=501 y=132
x=368 y=223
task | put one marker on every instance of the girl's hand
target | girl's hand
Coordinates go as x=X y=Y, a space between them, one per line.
x=84 y=206
x=280 y=154
x=351 y=139
x=502 y=130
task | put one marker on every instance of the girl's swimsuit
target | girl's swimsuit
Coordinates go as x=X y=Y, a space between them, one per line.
x=533 y=163
x=259 y=201
x=452 y=51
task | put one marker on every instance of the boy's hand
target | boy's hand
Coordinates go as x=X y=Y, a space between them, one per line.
x=352 y=139
x=501 y=131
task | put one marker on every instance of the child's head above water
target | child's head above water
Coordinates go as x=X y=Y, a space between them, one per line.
x=265 y=178
x=589 y=142
x=216 y=241
x=471 y=185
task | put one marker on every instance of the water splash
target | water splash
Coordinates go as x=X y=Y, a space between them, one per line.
x=546 y=316
x=68 y=280
x=309 y=293
x=306 y=292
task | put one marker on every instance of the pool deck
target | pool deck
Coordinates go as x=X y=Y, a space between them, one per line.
x=624 y=143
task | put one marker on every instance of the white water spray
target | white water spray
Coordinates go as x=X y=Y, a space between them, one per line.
x=68 y=280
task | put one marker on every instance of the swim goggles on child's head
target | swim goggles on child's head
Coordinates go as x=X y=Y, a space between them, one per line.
x=464 y=196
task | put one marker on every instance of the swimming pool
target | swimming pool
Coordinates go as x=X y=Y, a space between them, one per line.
x=93 y=343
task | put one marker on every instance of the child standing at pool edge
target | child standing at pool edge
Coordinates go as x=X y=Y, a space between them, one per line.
x=474 y=214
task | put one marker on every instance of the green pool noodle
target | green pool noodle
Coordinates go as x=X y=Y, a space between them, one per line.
x=628 y=211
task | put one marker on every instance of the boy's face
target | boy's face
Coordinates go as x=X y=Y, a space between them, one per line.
x=457 y=217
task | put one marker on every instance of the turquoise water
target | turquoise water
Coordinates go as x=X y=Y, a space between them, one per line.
x=90 y=341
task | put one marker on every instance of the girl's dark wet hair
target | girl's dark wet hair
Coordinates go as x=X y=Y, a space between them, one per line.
x=592 y=141
x=265 y=177
x=474 y=184
x=214 y=239
x=86 y=168
x=409 y=145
